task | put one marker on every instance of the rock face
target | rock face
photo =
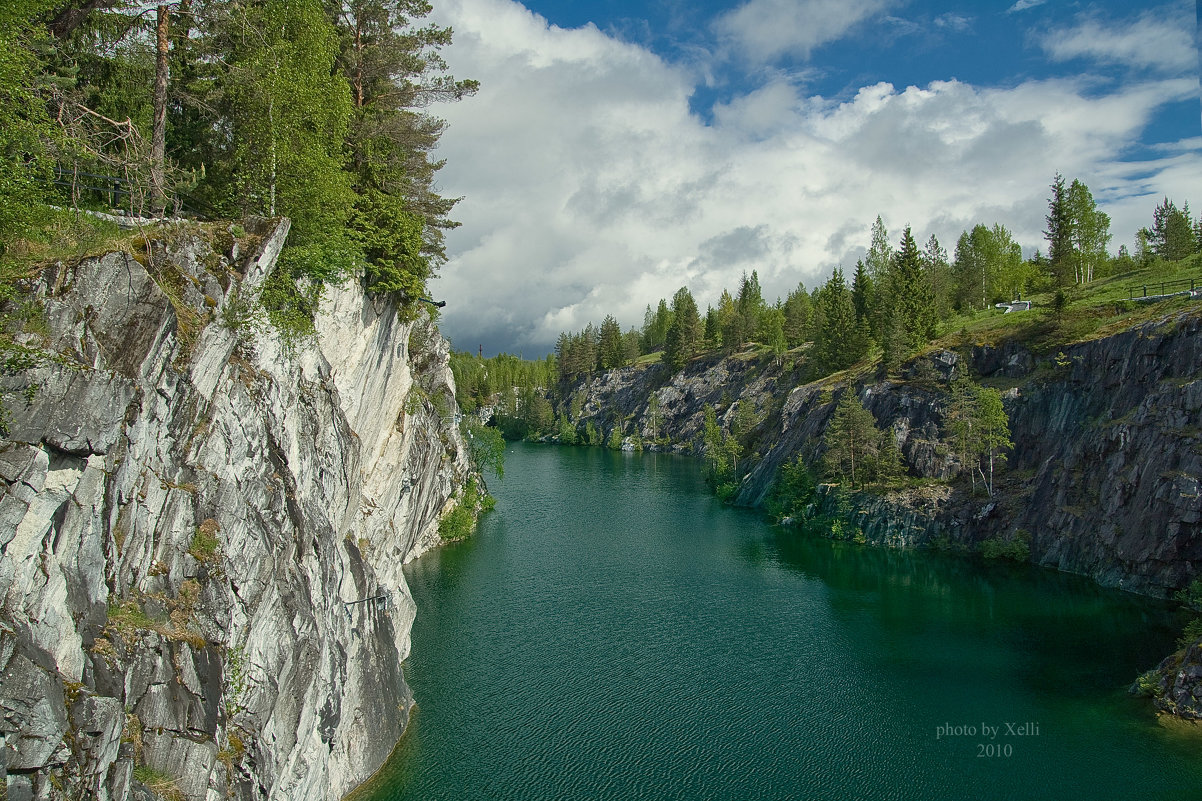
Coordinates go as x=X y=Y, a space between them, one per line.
x=192 y=514
x=1104 y=476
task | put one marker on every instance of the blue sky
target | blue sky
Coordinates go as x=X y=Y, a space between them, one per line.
x=620 y=150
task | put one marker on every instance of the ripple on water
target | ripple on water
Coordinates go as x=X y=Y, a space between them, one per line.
x=614 y=633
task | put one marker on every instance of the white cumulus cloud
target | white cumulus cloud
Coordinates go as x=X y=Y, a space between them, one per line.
x=591 y=189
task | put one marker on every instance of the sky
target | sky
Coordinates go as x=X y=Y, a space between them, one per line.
x=619 y=150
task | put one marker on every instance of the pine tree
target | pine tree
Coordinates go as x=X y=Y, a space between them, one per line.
x=657 y=333
x=890 y=467
x=895 y=346
x=731 y=323
x=722 y=453
x=959 y=425
x=394 y=70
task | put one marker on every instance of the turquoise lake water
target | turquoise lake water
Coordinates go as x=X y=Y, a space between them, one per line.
x=613 y=632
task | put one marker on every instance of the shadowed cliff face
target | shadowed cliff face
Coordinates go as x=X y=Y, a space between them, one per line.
x=186 y=509
x=1104 y=473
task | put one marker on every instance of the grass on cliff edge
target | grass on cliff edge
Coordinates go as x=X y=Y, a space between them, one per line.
x=1093 y=310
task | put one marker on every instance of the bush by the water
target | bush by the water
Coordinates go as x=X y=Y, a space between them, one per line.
x=1016 y=548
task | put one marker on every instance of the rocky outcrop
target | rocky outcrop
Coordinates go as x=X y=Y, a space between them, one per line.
x=1103 y=477
x=1175 y=685
x=202 y=527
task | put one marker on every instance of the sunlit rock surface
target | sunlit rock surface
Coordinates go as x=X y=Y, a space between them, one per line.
x=188 y=504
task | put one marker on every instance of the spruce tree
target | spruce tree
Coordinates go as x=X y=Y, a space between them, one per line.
x=939 y=276
x=750 y=304
x=610 y=351
x=863 y=296
x=1059 y=233
x=1171 y=237
x=913 y=297
x=838 y=343
x=852 y=441
x=799 y=312
x=879 y=260
x=685 y=334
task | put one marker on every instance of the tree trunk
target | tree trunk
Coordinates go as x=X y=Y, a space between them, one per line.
x=71 y=17
x=158 y=139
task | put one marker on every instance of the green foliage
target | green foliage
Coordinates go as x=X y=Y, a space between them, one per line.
x=979 y=429
x=799 y=313
x=852 y=442
x=482 y=382
x=391 y=240
x=1016 y=548
x=879 y=260
x=1148 y=684
x=577 y=354
x=655 y=326
x=163 y=785
x=289 y=303
x=566 y=432
x=794 y=490
x=610 y=351
x=614 y=443
x=302 y=108
x=25 y=127
x=686 y=332
x=1191 y=596
x=290 y=114
x=460 y=522
x=840 y=341
x=749 y=304
x=722 y=452
x=913 y=297
x=1191 y=633
x=486 y=446
x=1090 y=233
x=1171 y=236
x=205 y=544
x=989 y=267
x=391 y=61
x=127 y=617
x=1059 y=232
x=772 y=331
x=591 y=435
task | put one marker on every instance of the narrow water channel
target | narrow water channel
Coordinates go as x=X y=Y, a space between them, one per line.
x=613 y=632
